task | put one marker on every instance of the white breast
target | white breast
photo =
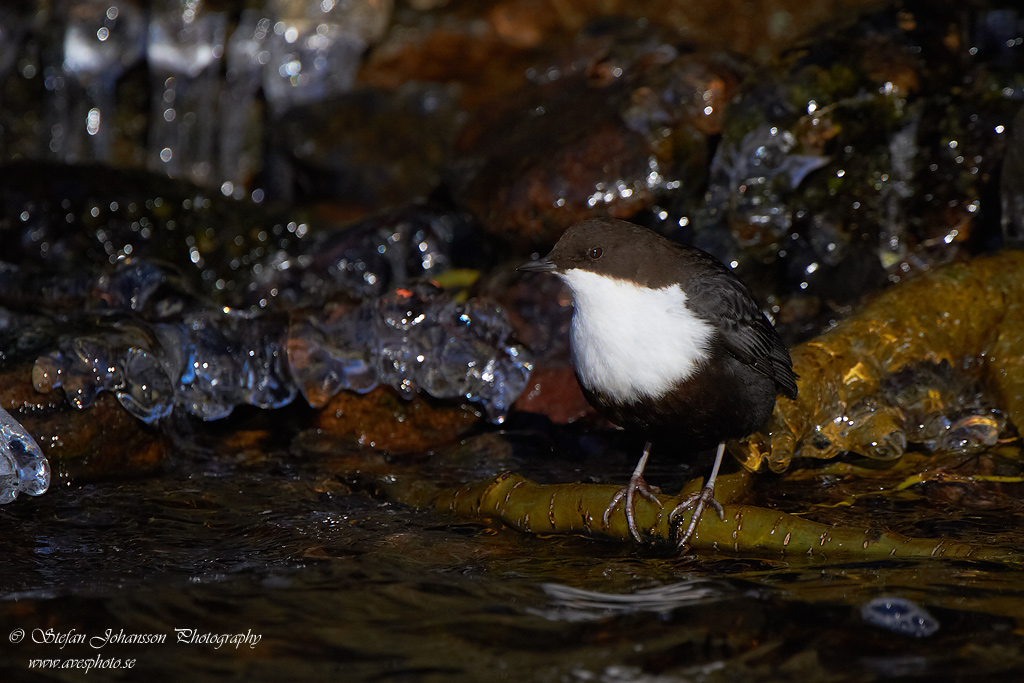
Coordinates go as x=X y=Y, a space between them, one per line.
x=630 y=341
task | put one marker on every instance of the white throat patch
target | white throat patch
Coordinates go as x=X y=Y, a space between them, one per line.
x=630 y=341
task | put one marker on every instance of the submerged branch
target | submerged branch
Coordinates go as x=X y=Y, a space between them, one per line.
x=527 y=506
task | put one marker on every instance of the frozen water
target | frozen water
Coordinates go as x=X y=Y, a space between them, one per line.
x=314 y=48
x=184 y=50
x=419 y=340
x=101 y=39
x=412 y=339
x=309 y=62
x=94 y=368
x=23 y=467
x=367 y=319
x=147 y=391
x=206 y=364
x=329 y=353
x=752 y=178
x=185 y=40
x=899 y=615
x=376 y=255
x=220 y=361
x=132 y=286
x=945 y=408
x=245 y=58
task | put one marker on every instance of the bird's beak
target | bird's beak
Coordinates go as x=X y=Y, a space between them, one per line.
x=541 y=265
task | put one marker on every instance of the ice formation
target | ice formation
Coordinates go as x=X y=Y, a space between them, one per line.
x=23 y=467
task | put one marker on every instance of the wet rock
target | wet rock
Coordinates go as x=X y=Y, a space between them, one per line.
x=368 y=148
x=554 y=392
x=116 y=239
x=103 y=442
x=78 y=220
x=540 y=310
x=936 y=360
x=376 y=254
x=934 y=406
x=854 y=162
x=606 y=132
x=487 y=52
x=460 y=50
x=385 y=421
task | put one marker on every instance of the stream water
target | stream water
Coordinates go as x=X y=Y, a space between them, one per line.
x=269 y=567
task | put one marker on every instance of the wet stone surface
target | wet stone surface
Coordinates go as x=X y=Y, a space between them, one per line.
x=854 y=162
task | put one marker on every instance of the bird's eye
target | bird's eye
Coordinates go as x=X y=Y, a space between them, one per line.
x=596 y=253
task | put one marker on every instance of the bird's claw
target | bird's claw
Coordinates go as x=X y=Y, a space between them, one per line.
x=698 y=501
x=636 y=484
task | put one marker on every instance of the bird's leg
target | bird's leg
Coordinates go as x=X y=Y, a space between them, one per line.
x=698 y=501
x=636 y=484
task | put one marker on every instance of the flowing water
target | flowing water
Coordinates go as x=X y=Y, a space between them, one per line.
x=268 y=566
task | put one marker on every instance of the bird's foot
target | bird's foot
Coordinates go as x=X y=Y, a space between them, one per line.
x=636 y=485
x=698 y=501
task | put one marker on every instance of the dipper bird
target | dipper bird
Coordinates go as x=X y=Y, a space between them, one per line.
x=666 y=341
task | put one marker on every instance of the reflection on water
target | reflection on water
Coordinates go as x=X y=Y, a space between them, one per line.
x=569 y=603
x=899 y=615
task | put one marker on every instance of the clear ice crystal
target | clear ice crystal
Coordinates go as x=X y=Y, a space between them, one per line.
x=314 y=49
x=184 y=48
x=23 y=467
x=206 y=365
x=752 y=178
x=372 y=257
x=414 y=338
x=220 y=361
x=147 y=392
x=421 y=340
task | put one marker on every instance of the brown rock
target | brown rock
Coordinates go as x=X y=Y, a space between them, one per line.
x=593 y=147
x=383 y=420
x=554 y=392
x=101 y=441
x=470 y=54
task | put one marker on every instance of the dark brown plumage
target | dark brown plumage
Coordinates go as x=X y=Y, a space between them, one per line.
x=667 y=341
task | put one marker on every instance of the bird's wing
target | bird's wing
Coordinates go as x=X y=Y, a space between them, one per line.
x=744 y=330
